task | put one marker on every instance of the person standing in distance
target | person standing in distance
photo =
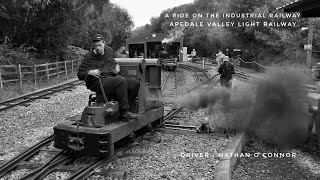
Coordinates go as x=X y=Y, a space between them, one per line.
x=100 y=62
x=227 y=73
x=219 y=58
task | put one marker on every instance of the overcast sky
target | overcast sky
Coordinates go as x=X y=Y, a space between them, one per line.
x=143 y=10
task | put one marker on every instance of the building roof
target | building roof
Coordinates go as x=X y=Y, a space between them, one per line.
x=307 y=8
x=152 y=37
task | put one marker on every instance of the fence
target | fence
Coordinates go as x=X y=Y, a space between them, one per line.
x=260 y=68
x=20 y=73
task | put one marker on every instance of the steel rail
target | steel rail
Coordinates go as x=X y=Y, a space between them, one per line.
x=37 y=170
x=195 y=69
x=190 y=68
x=165 y=81
x=10 y=165
x=89 y=170
x=23 y=100
x=43 y=171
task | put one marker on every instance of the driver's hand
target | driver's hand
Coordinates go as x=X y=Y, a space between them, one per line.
x=94 y=72
x=117 y=69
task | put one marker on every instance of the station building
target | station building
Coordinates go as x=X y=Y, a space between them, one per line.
x=150 y=46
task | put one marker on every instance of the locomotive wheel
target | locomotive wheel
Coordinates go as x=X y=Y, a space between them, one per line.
x=132 y=137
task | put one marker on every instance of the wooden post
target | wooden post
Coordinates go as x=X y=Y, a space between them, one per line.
x=35 y=73
x=20 y=74
x=145 y=51
x=71 y=66
x=1 y=85
x=176 y=83
x=47 y=70
x=57 y=64
x=309 y=50
x=65 y=67
x=78 y=63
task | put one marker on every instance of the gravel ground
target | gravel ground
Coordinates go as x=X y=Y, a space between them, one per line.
x=302 y=164
x=186 y=80
x=168 y=159
x=305 y=165
x=24 y=126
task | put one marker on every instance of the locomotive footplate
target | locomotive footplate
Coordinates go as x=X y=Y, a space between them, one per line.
x=99 y=141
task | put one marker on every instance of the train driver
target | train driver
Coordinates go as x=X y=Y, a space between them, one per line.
x=100 y=62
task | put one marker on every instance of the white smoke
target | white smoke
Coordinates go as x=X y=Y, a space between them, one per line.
x=120 y=53
x=121 y=49
x=173 y=35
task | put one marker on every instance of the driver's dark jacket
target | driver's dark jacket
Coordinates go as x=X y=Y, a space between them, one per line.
x=105 y=63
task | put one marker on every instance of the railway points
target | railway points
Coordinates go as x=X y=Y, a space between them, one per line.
x=170 y=114
x=180 y=129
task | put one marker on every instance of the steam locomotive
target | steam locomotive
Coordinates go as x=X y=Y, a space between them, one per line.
x=98 y=131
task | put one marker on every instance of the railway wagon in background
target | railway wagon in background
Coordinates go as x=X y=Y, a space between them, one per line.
x=169 y=64
x=98 y=130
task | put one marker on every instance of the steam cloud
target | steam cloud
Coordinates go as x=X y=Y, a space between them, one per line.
x=277 y=111
x=174 y=35
x=120 y=52
x=121 y=49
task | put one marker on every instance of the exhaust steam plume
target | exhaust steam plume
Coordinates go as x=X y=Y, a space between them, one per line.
x=276 y=105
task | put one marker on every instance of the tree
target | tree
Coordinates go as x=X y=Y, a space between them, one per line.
x=51 y=25
x=142 y=30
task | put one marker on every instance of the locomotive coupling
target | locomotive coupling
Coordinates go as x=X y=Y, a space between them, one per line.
x=76 y=143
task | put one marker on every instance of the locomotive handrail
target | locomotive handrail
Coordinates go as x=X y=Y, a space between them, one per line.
x=102 y=89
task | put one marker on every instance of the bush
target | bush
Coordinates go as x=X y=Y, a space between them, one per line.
x=10 y=55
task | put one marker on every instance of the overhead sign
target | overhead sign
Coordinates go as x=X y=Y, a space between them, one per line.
x=308 y=47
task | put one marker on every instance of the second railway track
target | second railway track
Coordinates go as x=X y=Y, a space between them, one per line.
x=41 y=94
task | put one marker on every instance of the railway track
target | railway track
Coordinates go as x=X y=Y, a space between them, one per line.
x=60 y=160
x=42 y=94
x=206 y=83
x=199 y=72
x=171 y=77
x=240 y=74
